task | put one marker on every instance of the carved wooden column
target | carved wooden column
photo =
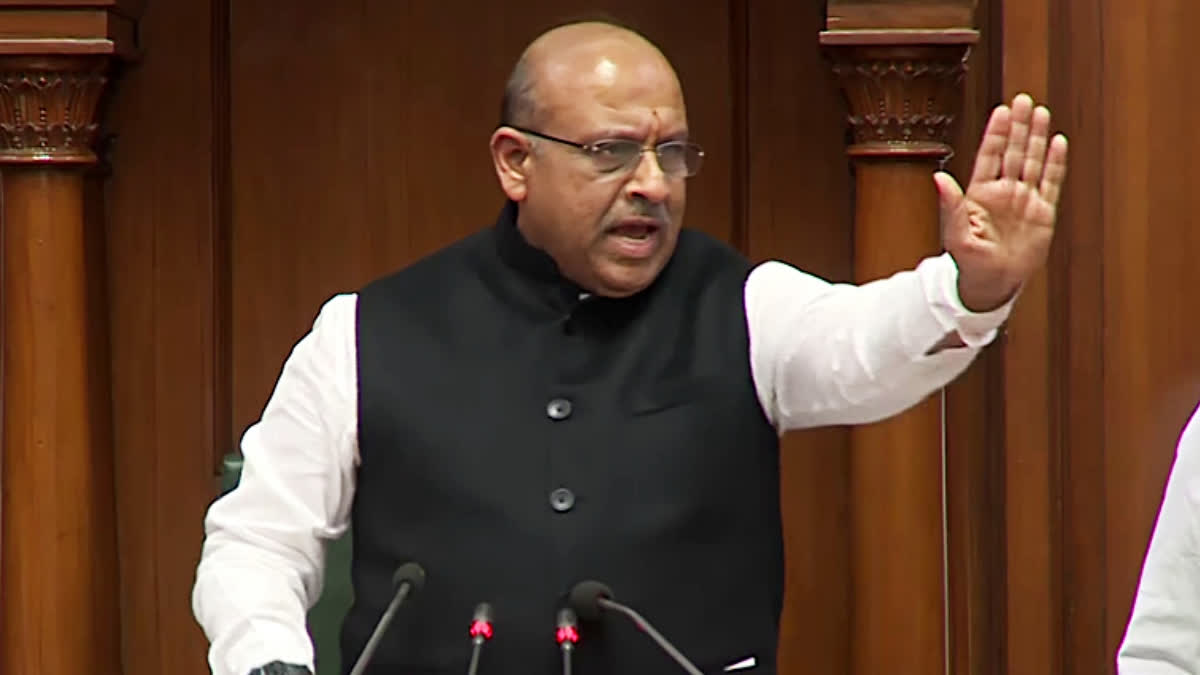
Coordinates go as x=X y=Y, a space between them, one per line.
x=903 y=89
x=58 y=611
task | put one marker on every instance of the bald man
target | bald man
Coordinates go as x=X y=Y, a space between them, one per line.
x=585 y=390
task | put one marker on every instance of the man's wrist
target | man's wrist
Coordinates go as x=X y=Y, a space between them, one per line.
x=280 y=668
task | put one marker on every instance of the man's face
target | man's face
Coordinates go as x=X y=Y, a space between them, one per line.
x=611 y=230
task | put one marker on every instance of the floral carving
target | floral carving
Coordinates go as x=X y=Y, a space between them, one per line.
x=48 y=108
x=902 y=99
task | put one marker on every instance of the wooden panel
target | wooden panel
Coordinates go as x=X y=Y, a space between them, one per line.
x=799 y=210
x=1078 y=298
x=1033 y=614
x=973 y=410
x=163 y=271
x=1102 y=369
x=1150 y=276
x=972 y=479
x=132 y=8
x=866 y=14
x=66 y=31
x=358 y=154
x=61 y=23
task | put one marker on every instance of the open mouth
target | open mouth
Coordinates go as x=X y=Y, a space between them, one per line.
x=638 y=231
x=636 y=238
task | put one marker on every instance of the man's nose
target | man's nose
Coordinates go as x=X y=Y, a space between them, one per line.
x=648 y=181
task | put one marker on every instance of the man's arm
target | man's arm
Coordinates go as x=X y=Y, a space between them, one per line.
x=1163 y=635
x=841 y=354
x=262 y=565
x=825 y=353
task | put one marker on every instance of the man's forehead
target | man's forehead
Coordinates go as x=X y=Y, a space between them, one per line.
x=591 y=117
x=621 y=90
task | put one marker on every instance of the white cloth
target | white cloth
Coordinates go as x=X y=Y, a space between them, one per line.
x=1163 y=635
x=820 y=354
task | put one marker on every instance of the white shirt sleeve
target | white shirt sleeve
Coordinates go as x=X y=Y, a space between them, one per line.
x=263 y=560
x=1163 y=635
x=825 y=354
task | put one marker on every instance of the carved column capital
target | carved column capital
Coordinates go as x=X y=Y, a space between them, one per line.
x=48 y=107
x=903 y=88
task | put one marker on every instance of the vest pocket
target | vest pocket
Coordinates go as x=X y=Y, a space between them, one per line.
x=675 y=392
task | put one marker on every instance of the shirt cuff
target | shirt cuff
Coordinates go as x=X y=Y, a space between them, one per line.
x=939 y=277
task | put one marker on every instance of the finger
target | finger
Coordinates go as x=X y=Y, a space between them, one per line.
x=1035 y=154
x=991 y=149
x=1018 y=137
x=1056 y=170
x=950 y=199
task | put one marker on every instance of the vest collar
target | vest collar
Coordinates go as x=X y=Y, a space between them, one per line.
x=526 y=259
x=537 y=267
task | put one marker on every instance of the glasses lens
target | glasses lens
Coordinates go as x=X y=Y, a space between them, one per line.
x=615 y=155
x=676 y=158
x=680 y=159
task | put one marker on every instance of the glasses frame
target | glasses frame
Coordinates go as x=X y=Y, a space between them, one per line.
x=591 y=149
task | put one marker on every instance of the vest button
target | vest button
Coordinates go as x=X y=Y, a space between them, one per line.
x=562 y=500
x=558 y=409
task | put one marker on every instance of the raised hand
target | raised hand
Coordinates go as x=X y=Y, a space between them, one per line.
x=999 y=232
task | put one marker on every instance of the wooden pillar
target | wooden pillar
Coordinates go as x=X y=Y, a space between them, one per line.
x=58 y=580
x=903 y=89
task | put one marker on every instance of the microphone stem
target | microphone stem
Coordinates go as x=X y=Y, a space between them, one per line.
x=654 y=635
x=566 y=650
x=380 y=629
x=475 y=655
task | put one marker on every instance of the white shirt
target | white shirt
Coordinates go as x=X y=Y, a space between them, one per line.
x=820 y=354
x=1163 y=635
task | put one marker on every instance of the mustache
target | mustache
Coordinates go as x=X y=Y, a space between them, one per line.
x=655 y=212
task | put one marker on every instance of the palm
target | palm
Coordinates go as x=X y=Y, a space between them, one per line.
x=1000 y=231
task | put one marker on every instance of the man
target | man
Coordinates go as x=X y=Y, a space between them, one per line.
x=1163 y=635
x=586 y=391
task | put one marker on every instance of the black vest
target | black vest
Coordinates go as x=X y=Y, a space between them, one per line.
x=517 y=438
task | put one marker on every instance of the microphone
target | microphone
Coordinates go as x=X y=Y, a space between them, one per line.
x=481 y=631
x=567 y=635
x=590 y=598
x=409 y=578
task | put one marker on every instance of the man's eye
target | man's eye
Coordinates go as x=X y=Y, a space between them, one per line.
x=672 y=151
x=610 y=149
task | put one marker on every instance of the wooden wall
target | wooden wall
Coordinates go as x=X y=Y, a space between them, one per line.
x=272 y=155
x=1102 y=368
x=167 y=271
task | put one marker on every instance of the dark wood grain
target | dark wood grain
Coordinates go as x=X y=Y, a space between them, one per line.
x=974 y=408
x=163 y=280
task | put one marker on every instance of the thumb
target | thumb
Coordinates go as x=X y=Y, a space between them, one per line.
x=950 y=200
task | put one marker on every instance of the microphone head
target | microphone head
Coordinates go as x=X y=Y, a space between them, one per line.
x=481 y=624
x=585 y=599
x=568 y=628
x=566 y=617
x=483 y=612
x=412 y=573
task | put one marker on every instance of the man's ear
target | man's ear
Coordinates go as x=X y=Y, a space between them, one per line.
x=511 y=157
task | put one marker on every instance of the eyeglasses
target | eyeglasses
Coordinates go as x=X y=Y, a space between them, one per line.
x=677 y=159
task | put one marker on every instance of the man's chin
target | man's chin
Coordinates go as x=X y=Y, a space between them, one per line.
x=624 y=280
